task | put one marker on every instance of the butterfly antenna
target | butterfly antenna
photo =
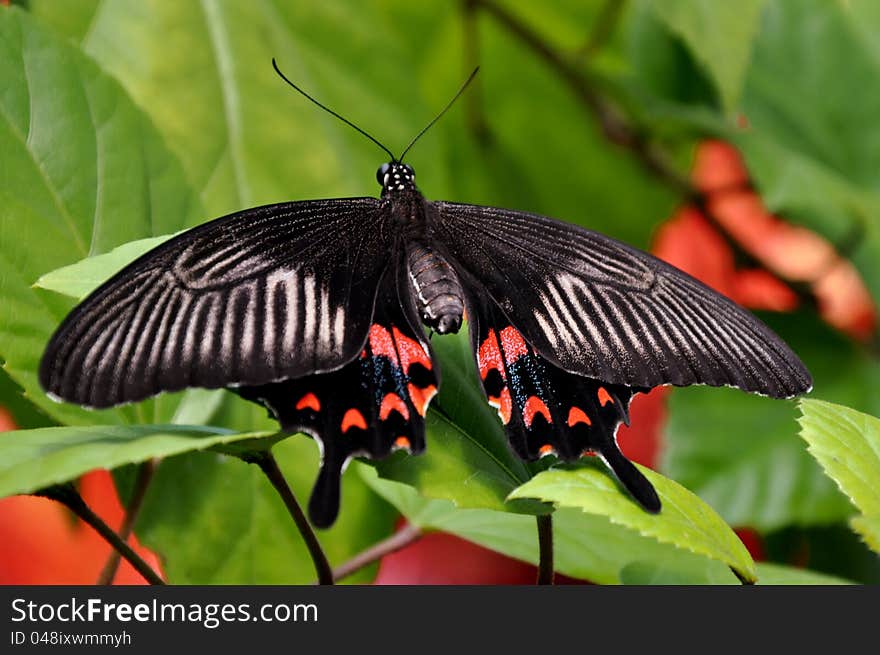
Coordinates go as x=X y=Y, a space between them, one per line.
x=440 y=115
x=330 y=111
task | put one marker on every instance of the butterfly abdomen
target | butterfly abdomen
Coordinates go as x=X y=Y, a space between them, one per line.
x=439 y=295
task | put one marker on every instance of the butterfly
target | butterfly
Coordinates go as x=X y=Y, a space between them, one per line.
x=317 y=310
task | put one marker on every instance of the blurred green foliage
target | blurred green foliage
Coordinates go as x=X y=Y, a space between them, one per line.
x=136 y=118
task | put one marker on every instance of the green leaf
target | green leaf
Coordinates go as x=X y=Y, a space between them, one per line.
x=719 y=34
x=34 y=459
x=868 y=528
x=246 y=139
x=586 y=546
x=741 y=453
x=812 y=146
x=81 y=171
x=216 y=520
x=846 y=443
x=777 y=574
x=80 y=279
x=685 y=521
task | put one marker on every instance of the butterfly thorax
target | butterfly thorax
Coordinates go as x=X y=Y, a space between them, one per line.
x=436 y=289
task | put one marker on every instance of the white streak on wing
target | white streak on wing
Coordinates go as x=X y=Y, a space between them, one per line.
x=573 y=328
x=585 y=301
x=228 y=331
x=206 y=353
x=549 y=330
x=269 y=323
x=310 y=311
x=174 y=335
x=247 y=345
x=339 y=328
x=290 y=286
x=324 y=320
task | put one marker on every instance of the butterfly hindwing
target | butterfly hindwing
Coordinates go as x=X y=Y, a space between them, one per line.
x=600 y=308
x=265 y=294
x=371 y=406
x=546 y=410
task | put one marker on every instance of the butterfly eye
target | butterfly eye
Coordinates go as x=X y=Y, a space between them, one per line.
x=380 y=174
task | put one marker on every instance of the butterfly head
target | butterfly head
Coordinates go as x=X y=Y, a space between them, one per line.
x=394 y=177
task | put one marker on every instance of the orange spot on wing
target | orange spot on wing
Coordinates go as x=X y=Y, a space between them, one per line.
x=589 y=452
x=577 y=415
x=503 y=404
x=391 y=403
x=353 y=419
x=411 y=352
x=309 y=401
x=489 y=356
x=604 y=397
x=513 y=344
x=535 y=405
x=546 y=449
x=421 y=398
x=402 y=442
x=382 y=343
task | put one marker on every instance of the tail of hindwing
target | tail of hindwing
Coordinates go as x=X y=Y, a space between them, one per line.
x=370 y=407
x=547 y=410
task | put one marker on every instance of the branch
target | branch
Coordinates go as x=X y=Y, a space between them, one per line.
x=141 y=484
x=545 y=549
x=70 y=498
x=405 y=536
x=604 y=26
x=269 y=466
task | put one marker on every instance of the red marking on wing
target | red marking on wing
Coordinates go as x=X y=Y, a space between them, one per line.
x=309 y=401
x=489 y=356
x=535 y=405
x=513 y=344
x=421 y=397
x=503 y=404
x=353 y=419
x=402 y=442
x=589 y=452
x=577 y=415
x=382 y=343
x=411 y=352
x=546 y=449
x=393 y=403
x=604 y=397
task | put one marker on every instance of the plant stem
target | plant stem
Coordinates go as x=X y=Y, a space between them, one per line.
x=141 y=484
x=70 y=498
x=269 y=466
x=545 y=548
x=405 y=536
x=603 y=27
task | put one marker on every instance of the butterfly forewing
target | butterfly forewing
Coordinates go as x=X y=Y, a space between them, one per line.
x=269 y=293
x=599 y=308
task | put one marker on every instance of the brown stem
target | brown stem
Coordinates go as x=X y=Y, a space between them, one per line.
x=269 y=466
x=405 y=536
x=141 y=484
x=545 y=549
x=70 y=498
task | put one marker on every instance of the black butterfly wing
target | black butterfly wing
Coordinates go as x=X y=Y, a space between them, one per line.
x=597 y=307
x=546 y=410
x=371 y=406
x=269 y=293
